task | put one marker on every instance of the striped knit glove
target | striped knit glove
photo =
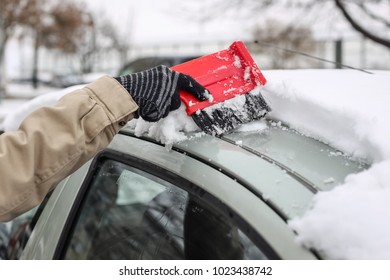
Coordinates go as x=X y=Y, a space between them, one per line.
x=156 y=91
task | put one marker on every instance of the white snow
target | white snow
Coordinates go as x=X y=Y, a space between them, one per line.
x=350 y=111
x=254 y=126
x=346 y=108
x=247 y=73
x=13 y=119
x=237 y=62
x=168 y=130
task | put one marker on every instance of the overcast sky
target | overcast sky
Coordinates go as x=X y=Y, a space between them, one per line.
x=156 y=21
x=153 y=21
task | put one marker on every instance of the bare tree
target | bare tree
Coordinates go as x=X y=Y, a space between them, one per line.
x=358 y=26
x=65 y=26
x=368 y=17
x=57 y=26
x=286 y=37
x=12 y=14
x=88 y=45
x=54 y=25
x=116 y=40
x=99 y=38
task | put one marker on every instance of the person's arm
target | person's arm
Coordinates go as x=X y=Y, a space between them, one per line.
x=52 y=142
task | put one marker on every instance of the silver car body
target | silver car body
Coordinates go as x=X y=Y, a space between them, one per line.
x=266 y=177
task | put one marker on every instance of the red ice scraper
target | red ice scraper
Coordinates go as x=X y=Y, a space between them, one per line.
x=233 y=79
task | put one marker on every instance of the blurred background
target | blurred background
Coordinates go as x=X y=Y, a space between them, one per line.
x=50 y=43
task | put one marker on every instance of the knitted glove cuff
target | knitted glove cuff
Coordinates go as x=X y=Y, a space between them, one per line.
x=152 y=91
x=156 y=90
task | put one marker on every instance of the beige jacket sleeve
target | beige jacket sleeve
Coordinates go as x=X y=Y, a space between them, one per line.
x=52 y=142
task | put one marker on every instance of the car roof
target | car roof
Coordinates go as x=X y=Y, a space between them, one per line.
x=280 y=165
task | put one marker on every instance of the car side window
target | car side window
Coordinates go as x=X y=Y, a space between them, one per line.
x=128 y=213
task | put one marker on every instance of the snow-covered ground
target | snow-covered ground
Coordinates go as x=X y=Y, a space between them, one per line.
x=345 y=108
x=19 y=94
x=14 y=110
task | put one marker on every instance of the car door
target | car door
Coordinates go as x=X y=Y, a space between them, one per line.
x=150 y=203
x=132 y=209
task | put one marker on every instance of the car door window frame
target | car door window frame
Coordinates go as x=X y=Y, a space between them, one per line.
x=158 y=171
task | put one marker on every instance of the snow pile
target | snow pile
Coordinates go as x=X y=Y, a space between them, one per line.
x=169 y=130
x=351 y=221
x=172 y=129
x=13 y=120
x=348 y=110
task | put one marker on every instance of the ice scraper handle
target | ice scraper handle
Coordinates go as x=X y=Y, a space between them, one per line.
x=156 y=91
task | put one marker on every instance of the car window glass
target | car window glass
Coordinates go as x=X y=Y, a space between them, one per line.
x=131 y=214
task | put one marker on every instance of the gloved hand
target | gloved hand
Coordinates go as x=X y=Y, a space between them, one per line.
x=156 y=91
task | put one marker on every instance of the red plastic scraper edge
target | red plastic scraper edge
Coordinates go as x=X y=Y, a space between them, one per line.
x=225 y=74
